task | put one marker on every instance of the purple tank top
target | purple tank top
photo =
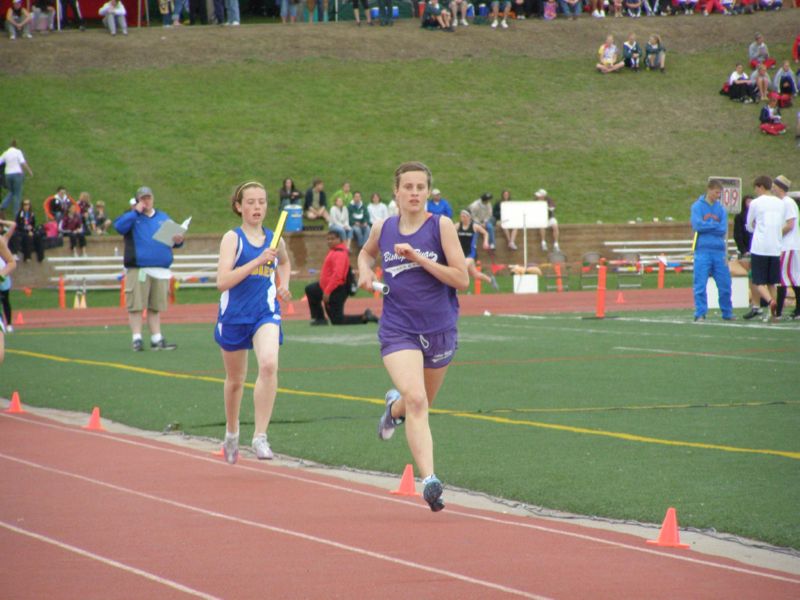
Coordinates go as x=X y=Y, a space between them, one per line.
x=417 y=302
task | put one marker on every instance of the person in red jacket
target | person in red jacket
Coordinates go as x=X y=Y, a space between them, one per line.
x=333 y=289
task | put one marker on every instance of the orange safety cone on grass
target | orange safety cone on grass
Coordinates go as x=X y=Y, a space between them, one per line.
x=94 y=421
x=15 y=406
x=407 y=485
x=20 y=320
x=669 y=536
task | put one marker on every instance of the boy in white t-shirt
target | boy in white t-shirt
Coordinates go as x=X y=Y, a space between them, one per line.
x=765 y=220
x=790 y=246
x=14 y=162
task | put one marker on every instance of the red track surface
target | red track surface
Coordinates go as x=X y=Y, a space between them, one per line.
x=99 y=515
x=470 y=305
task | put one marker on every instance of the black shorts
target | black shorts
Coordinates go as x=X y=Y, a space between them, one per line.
x=766 y=269
x=364 y=4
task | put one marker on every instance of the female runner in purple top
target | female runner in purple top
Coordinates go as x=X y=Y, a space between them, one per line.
x=423 y=266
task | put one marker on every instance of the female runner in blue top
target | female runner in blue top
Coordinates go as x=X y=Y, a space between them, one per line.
x=249 y=314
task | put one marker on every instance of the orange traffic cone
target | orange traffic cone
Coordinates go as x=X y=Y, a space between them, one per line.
x=407 y=485
x=290 y=309
x=620 y=298
x=83 y=300
x=20 y=320
x=15 y=406
x=669 y=536
x=94 y=421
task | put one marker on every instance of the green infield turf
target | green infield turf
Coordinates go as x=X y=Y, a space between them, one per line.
x=620 y=417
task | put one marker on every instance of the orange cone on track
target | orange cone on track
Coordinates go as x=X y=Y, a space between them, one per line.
x=15 y=406
x=20 y=320
x=620 y=298
x=407 y=485
x=94 y=421
x=669 y=536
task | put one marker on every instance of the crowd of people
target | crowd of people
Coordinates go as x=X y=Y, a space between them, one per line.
x=775 y=87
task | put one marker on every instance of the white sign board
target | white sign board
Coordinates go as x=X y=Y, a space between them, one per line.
x=731 y=193
x=523 y=215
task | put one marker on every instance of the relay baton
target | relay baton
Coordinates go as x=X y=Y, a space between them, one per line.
x=381 y=287
x=276 y=238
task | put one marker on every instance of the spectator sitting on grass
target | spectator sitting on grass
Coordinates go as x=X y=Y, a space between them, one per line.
x=759 y=53
x=113 y=13
x=378 y=211
x=761 y=81
x=609 y=57
x=18 y=21
x=784 y=82
x=632 y=52
x=359 y=220
x=770 y=117
x=571 y=8
x=496 y=13
x=456 y=7
x=439 y=206
x=740 y=88
x=316 y=203
x=655 y=55
x=101 y=221
x=435 y=17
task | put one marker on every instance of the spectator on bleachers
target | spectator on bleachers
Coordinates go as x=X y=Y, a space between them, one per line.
x=378 y=211
x=655 y=55
x=289 y=194
x=114 y=17
x=13 y=161
x=344 y=193
x=785 y=82
x=340 y=219
x=510 y=234
x=72 y=226
x=632 y=52
x=496 y=13
x=634 y=8
x=770 y=117
x=482 y=214
x=18 y=21
x=359 y=220
x=758 y=53
x=101 y=222
x=27 y=237
x=609 y=57
x=740 y=88
x=762 y=82
x=468 y=232
x=333 y=289
x=436 y=17
x=316 y=203
x=437 y=205
x=571 y=8
x=552 y=222
x=57 y=205
x=458 y=9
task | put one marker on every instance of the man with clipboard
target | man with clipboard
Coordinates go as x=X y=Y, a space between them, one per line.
x=147 y=261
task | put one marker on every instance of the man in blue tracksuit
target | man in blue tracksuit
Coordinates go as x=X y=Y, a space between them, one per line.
x=710 y=224
x=147 y=263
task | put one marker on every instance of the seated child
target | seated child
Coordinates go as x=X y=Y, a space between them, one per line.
x=740 y=87
x=632 y=52
x=655 y=55
x=770 y=117
x=609 y=57
x=762 y=82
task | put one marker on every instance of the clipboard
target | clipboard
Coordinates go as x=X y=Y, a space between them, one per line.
x=169 y=229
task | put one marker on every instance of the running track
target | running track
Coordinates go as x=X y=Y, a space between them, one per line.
x=105 y=515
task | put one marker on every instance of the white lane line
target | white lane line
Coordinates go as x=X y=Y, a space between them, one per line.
x=281 y=530
x=414 y=505
x=704 y=355
x=109 y=561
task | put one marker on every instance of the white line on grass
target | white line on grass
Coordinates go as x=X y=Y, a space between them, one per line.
x=704 y=355
x=109 y=561
x=280 y=530
x=383 y=498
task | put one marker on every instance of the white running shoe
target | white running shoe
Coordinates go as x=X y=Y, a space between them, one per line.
x=387 y=423
x=464 y=23
x=494 y=24
x=503 y=24
x=454 y=24
x=230 y=448
x=261 y=447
